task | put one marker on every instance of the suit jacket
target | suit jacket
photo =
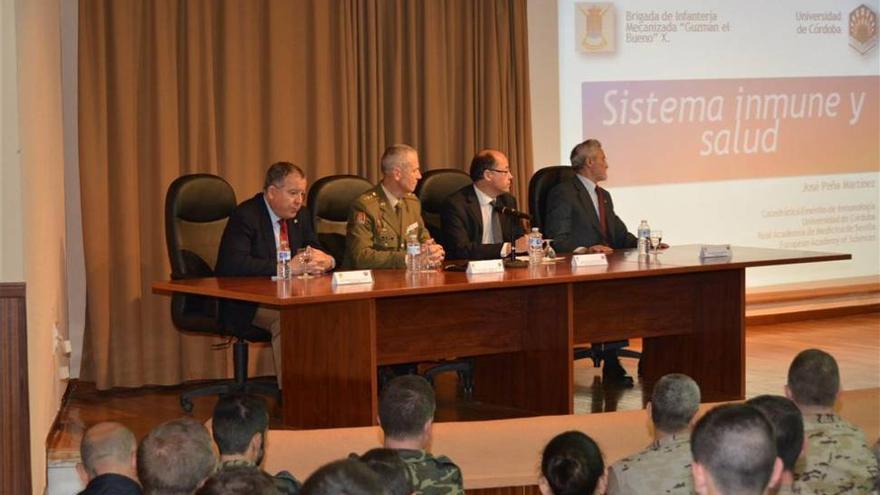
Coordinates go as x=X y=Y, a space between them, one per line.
x=247 y=249
x=112 y=484
x=376 y=233
x=572 y=220
x=462 y=223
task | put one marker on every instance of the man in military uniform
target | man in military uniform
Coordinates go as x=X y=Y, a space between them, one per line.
x=240 y=423
x=406 y=415
x=788 y=426
x=382 y=218
x=838 y=459
x=665 y=466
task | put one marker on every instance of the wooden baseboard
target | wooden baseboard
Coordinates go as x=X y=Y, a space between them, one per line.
x=813 y=300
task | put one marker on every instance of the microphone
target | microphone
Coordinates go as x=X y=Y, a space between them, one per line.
x=504 y=210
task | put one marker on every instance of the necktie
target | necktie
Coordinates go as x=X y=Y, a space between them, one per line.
x=282 y=237
x=603 y=221
x=497 y=234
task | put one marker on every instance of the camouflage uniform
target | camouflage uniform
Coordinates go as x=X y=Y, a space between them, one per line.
x=837 y=460
x=285 y=482
x=432 y=475
x=376 y=232
x=663 y=467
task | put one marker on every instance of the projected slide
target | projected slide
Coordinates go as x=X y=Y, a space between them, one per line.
x=750 y=122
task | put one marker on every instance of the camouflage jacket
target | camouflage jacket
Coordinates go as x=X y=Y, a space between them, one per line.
x=285 y=482
x=837 y=460
x=432 y=475
x=663 y=467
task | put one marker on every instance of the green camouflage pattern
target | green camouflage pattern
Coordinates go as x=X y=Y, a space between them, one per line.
x=837 y=461
x=376 y=232
x=432 y=475
x=285 y=482
x=663 y=467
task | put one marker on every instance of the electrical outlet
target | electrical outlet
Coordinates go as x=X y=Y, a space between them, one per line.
x=64 y=372
x=67 y=347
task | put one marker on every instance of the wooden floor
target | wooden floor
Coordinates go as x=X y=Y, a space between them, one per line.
x=853 y=340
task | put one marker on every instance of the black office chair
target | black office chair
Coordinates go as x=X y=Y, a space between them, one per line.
x=330 y=200
x=433 y=189
x=539 y=187
x=197 y=208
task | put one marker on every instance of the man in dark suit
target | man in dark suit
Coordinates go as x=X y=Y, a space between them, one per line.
x=250 y=243
x=580 y=216
x=108 y=460
x=475 y=225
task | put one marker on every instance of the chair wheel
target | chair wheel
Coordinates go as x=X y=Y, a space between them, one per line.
x=186 y=404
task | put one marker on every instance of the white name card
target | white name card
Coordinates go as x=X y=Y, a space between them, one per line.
x=715 y=251
x=485 y=266
x=595 y=259
x=353 y=277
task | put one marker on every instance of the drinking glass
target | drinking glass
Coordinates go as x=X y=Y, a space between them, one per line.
x=304 y=258
x=656 y=238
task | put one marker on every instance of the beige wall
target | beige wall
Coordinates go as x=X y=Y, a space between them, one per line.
x=42 y=205
x=544 y=82
x=11 y=254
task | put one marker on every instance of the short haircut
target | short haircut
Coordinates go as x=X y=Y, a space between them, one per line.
x=788 y=426
x=175 y=457
x=583 y=151
x=278 y=171
x=572 y=464
x=406 y=406
x=674 y=402
x=484 y=160
x=106 y=443
x=395 y=156
x=813 y=378
x=240 y=480
x=391 y=469
x=237 y=418
x=735 y=444
x=346 y=476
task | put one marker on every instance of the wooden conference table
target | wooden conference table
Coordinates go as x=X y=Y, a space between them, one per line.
x=520 y=327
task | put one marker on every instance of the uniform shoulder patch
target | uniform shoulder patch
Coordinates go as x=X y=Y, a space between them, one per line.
x=360 y=218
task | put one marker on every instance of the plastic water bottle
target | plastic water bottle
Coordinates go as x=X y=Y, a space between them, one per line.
x=536 y=247
x=644 y=233
x=283 y=266
x=413 y=253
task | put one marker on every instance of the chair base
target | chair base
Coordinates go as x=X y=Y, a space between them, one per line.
x=589 y=352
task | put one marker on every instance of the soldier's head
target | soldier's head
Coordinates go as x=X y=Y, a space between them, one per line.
x=813 y=379
x=390 y=468
x=572 y=464
x=107 y=448
x=588 y=159
x=240 y=480
x=400 y=169
x=734 y=452
x=348 y=476
x=285 y=189
x=674 y=402
x=406 y=410
x=788 y=426
x=239 y=424
x=175 y=458
x=490 y=170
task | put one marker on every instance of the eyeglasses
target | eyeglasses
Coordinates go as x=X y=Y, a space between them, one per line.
x=501 y=171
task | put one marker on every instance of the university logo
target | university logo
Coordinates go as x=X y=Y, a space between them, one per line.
x=595 y=27
x=863 y=29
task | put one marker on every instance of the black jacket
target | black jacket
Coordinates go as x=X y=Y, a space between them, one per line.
x=462 y=223
x=572 y=220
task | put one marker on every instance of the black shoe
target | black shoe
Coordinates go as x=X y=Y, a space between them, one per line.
x=613 y=372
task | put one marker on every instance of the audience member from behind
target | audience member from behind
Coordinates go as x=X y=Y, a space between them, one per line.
x=390 y=468
x=406 y=415
x=572 y=464
x=788 y=428
x=175 y=458
x=240 y=424
x=837 y=459
x=346 y=476
x=108 y=460
x=665 y=466
x=239 y=480
x=734 y=452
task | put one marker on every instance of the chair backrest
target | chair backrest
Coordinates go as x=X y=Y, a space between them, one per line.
x=330 y=201
x=540 y=185
x=433 y=189
x=197 y=208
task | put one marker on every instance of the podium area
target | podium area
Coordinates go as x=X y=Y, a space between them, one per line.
x=519 y=326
